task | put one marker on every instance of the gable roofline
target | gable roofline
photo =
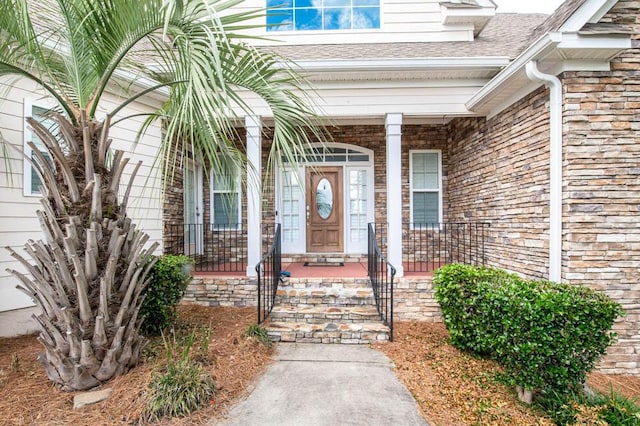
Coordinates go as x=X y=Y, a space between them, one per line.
x=556 y=51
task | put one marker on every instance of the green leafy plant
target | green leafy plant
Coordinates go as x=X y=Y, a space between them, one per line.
x=574 y=407
x=182 y=386
x=259 y=333
x=546 y=335
x=169 y=279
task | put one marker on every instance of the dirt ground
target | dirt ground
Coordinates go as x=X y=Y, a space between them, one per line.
x=454 y=388
x=27 y=397
x=451 y=387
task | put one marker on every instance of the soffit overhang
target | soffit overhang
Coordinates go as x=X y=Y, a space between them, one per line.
x=358 y=70
x=555 y=53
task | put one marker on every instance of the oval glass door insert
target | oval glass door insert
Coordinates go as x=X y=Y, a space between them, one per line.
x=324 y=198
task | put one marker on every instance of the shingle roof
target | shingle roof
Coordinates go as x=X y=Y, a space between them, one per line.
x=557 y=18
x=504 y=36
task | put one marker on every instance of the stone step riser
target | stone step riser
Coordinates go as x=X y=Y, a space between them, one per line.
x=310 y=283
x=325 y=301
x=329 y=337
x=322 y=318
x=305 y=298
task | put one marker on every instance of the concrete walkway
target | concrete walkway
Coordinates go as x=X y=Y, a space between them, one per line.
x=314 y=385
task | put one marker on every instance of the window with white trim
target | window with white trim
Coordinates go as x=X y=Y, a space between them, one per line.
x=426 y=186
x=225 y=202
x=32 y=180
x=322 y=15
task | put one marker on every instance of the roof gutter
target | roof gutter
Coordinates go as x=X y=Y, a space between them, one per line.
x=555 y=167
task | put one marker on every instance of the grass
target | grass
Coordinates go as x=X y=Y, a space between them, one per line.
x=181 y=386
x=259 y=333
x=610 y=408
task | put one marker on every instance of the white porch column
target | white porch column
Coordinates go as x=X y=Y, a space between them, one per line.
x=393 y=125
x=254 y=192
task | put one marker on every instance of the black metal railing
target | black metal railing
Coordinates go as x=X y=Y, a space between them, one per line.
x=214 y=248
x=269 y=269
x=428 y=246
x=381 y=275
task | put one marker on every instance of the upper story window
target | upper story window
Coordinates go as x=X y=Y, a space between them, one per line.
x=319 y=15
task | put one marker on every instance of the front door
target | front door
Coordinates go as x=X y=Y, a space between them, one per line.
x=325 y=232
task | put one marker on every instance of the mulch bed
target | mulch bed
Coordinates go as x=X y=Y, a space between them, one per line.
x=454 y=388
x=27 y=397
x=451 y=387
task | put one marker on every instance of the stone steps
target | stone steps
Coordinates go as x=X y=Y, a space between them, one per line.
x=322 y=314
x=324 y=296
x=328 y=332
x=326 y=310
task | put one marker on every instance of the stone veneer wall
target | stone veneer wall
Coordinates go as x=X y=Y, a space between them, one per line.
x=217 y=249
x=413 y=300
x=602 y=187
x=222 y=291
x=499 y=173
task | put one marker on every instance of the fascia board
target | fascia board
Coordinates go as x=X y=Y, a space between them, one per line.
x=402 y=64
x=542 y=47
x=609 y=46
x=591 y=11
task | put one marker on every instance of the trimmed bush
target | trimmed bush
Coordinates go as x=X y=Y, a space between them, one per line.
x=168 y=281
x=546 y=335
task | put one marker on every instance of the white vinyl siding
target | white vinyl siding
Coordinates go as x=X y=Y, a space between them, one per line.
x=399 y=21
x=225 y=202
x=426 y=187
x=18 y=221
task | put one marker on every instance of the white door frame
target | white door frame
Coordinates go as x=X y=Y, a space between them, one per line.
x=197 y=247
x=299 y=246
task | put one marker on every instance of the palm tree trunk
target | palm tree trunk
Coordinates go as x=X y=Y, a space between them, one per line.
x=88 y=275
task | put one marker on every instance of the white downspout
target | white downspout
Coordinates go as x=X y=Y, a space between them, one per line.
x=555 y=160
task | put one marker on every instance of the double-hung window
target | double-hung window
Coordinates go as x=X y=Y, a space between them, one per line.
x=426 y=187
x=322 y=15
x=225 y=202
x=32 y=180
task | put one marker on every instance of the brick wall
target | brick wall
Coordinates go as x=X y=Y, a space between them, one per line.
x=602 y=187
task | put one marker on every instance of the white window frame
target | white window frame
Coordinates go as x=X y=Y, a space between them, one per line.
x=212 y=191
x=412 y=190
x=28 y=105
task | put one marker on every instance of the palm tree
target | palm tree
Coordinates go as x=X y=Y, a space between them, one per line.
x=89 y=272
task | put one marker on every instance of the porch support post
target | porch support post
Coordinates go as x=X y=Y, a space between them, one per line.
x=254 y=192
x=393 y=125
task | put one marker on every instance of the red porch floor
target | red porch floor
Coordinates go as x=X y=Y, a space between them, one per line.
x=299 y=270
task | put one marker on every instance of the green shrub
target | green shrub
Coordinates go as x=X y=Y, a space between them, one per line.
x=183 y=386
x=546 y=335
x=168 y=281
